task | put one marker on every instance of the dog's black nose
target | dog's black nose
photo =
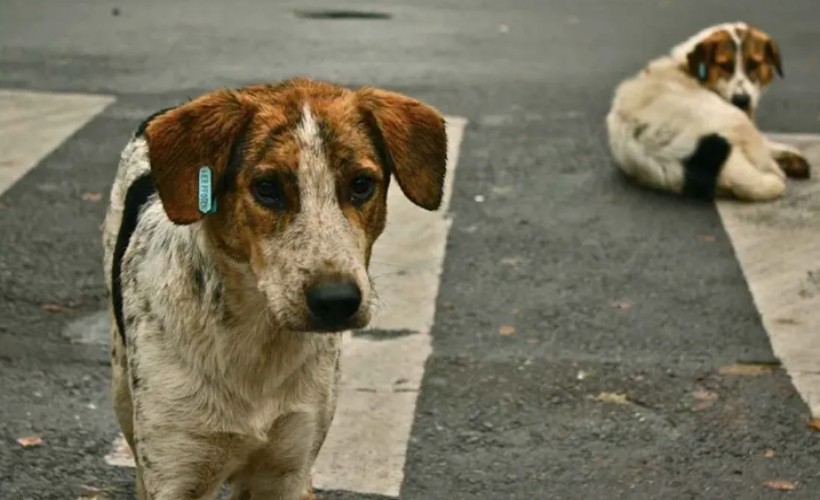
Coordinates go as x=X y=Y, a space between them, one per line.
x=333 y=303
x=742 y=101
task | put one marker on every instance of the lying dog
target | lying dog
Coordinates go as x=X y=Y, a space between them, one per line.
x=237 y=243
x=685 y=123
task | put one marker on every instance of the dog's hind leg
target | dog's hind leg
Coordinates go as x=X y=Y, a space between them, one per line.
x=746 y=182
x=123 y=404
x=789 y=159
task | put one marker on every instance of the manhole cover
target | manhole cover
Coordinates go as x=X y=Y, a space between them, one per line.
x=341 y=14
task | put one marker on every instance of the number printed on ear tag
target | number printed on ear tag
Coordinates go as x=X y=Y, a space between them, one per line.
x=207 y=204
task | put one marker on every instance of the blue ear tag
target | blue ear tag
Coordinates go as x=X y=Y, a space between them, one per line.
x=207 y=204
x=702 y=73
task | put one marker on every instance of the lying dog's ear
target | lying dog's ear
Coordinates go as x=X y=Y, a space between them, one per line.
x=700 y=59
x=773 y=56
x=203 y=132
x=412 y=141
x=761 y=47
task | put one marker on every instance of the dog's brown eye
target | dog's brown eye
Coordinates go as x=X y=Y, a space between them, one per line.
x=728 y=67
x=362 y=188
x=269 y=193
x=751 y=65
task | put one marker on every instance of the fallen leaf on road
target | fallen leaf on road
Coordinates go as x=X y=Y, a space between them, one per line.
x=613 y=397
x=54 y=308
x=748 y=369
x=506 y=330
x=704 y=395
x=91 y=196
x=120 y=455
x=708 y=238
x=705 y=398
x=511 y=261
x=780 y=485
x=29 y=441
x=814 y=424
x=786 y=321
x=622 y=305
x=92 y=493
x=769 y=453
x=532 y=341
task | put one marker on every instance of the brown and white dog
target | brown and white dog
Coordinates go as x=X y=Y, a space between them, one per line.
x=685 y=123
x=225 y=324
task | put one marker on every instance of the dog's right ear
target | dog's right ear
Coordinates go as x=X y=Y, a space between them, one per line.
x=200 y=133
x=701 y=59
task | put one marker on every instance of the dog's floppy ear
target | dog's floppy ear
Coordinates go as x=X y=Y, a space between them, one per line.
x=762 y=47
x=700 y=58
x=716 y=49
x=773 y=56
x=412 y=141
x=200 y=133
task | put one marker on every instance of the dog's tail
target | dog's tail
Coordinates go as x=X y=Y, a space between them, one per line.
x=702 y=168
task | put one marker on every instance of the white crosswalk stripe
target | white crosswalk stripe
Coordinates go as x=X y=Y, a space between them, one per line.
x=32 y=124
x=778 y=247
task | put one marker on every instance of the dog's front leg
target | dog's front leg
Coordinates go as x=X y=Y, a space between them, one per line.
x=790 y=160
x=175 y=464
x=281 y=469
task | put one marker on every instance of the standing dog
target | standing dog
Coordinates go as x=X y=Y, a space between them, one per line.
x=685 y=123
x=229 y=284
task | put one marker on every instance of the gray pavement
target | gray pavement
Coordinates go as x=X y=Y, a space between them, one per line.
x=585 y=400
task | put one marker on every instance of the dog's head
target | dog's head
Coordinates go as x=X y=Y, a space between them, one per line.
x=736 y=61
x=300 y=176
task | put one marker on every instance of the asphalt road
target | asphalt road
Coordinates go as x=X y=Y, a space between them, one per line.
x=558 y=239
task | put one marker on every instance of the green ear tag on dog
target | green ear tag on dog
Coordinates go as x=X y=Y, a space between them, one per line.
x=702 y=71
x=207 y=203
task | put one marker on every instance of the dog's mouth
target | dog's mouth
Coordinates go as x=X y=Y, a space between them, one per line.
x=317 y=326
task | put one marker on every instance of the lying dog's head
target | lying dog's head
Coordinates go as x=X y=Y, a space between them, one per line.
x=300 y=176
x=736 y=61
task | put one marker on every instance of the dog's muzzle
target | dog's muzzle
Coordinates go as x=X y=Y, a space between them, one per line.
x=742 y=101
x=333 y=305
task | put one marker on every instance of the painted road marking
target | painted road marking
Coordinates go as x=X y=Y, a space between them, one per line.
x=382 y=367
x=32 y=124
x=778 y=247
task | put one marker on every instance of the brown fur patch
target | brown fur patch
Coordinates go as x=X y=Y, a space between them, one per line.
x=717 y=52
x=415 y=140
x=761 y=56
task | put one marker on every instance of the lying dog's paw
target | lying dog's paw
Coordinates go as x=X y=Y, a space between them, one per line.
x=794 y=165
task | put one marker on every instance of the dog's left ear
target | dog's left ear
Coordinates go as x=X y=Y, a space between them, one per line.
x=203 y=132
x=773 y=56
x=412 y=141
x=765 y=48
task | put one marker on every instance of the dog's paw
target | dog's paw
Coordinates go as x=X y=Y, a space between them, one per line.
x=794 y=165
